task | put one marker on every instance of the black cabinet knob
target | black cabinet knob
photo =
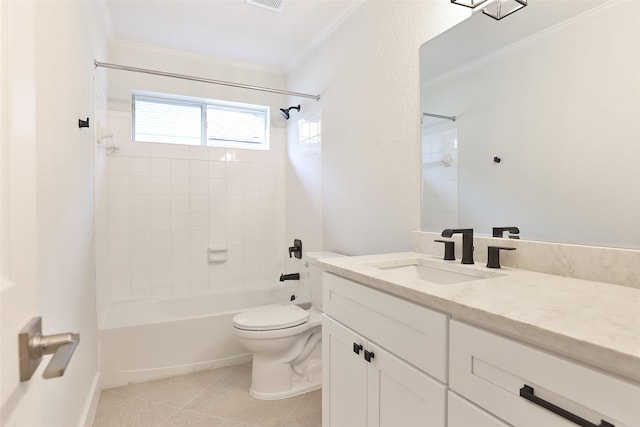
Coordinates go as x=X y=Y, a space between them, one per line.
x=357 y=348
x=368 y=355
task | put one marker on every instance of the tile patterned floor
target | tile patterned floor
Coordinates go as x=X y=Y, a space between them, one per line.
x=214 y=398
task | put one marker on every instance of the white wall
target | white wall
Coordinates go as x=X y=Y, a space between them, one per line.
x=165 y=204
x=367 y=72
x=303 y=184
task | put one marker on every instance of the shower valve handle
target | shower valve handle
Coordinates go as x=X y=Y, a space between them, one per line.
x=296 y=249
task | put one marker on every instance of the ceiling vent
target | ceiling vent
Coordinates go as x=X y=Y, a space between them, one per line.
x=272 y=5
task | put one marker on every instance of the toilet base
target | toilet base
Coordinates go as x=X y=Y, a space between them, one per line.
x=269 y=382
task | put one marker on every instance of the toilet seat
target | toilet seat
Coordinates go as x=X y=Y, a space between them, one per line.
x=271 y=317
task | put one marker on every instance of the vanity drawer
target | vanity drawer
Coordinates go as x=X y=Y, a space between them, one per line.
x=513 y=381
x=412 y=332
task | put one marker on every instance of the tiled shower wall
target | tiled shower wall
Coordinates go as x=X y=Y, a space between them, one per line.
x=164 y=206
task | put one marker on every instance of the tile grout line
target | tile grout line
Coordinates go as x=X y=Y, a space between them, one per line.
x=284 y=422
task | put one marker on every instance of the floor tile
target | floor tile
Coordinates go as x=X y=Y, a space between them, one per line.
x=174 y=391
x=117 y=410
x=230 y=398
x=192 y=419
x=214 y=398
x=308 y=413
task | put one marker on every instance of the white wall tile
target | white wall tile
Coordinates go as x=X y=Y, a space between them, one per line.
x=119 y=184
x=180 y=185
x=199 y=221
x=180 y=257
x=180 y=203
x=199 y=153
x=199 y=186
x=140 y=149
x=160 y=167
x=141 y=184
x=118 y=165
x=179 y=167
x=160 y=185
x=199 y=168
x=217 y=154
x=179 y=151
x=217 y=169
x=180 y=239
x=140 y=204
x=180 y=221
x=199 y=239
x=161 y=151
x=140 y=222
x=199 y=203
x=160 y=221
x=140 y=166
x=160 y=203
x=165 y=204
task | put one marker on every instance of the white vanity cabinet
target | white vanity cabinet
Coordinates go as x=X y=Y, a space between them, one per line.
x=382 y=359
x=527 y=387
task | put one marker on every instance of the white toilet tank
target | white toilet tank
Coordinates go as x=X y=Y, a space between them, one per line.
x=315 y=276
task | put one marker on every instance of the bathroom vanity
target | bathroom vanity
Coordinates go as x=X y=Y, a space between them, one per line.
x=496 y=348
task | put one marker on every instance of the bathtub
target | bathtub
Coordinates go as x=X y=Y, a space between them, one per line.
x=150 y=339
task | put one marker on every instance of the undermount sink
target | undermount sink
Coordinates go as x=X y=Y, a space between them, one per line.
x=441 y=274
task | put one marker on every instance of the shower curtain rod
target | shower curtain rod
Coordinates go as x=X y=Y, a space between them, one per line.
x=439 y=116
x=203 y=80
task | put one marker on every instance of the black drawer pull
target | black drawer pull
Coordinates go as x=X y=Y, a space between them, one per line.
x=368 y=355
x=357 y=348
x=527 y=393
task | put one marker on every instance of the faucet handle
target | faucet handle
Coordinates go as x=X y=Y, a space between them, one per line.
x=493 y=255
x=449 y=249
x=513 y=231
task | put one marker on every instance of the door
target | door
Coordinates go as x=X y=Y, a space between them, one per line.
x=401 y=395
x=18 y=220
x=344 y=382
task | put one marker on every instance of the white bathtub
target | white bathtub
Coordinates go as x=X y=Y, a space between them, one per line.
x=143 y=340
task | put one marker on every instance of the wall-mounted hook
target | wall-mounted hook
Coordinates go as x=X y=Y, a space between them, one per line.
x=83 y=123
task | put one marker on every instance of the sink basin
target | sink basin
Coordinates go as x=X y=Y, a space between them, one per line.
x=439 y=273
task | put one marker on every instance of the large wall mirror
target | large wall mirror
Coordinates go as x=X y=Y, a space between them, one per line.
x=547 y=129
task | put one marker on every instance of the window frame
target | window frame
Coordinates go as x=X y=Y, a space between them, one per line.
x=203 y=104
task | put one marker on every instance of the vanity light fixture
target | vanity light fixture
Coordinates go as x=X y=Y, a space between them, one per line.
x=497 y=9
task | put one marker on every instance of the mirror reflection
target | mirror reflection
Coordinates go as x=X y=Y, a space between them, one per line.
x=546 y=134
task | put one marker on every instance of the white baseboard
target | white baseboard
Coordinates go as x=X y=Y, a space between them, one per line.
x=91 y=404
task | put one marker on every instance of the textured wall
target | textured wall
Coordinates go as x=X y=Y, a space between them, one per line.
x=368 y=75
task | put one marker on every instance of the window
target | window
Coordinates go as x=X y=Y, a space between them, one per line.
x=192 y=121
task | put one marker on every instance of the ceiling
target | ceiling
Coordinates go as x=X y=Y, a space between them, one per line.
x=230 y=29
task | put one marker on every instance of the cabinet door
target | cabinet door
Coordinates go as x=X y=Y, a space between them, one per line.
x=401 y=395
x=464 y=414
x=344 y=376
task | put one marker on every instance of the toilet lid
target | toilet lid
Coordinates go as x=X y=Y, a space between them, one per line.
x=270 y=317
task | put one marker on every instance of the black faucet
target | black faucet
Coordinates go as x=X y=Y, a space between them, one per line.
x=513 y=232
x=467 y=242
x=292 y=276
x=493 y=255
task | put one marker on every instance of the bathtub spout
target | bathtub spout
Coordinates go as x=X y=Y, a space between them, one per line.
x=292 y=276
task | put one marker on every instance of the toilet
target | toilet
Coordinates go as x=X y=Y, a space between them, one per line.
x=286 y=342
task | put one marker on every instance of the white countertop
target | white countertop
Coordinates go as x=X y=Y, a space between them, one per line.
x=592 y=322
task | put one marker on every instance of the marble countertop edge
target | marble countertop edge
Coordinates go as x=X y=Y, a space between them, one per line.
x=536 y=324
